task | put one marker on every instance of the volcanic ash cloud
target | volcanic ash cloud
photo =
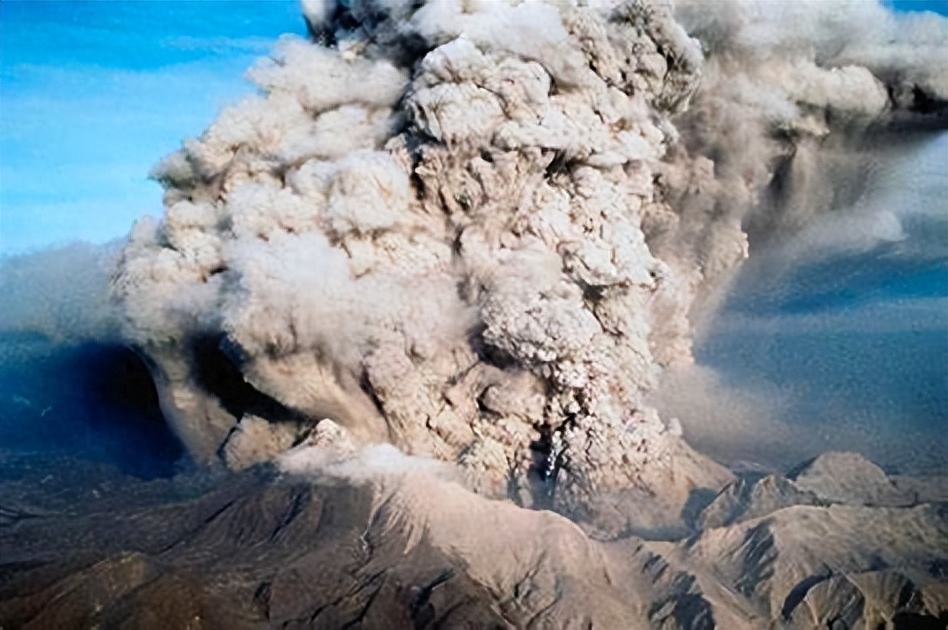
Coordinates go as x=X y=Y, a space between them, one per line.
x=470 y=229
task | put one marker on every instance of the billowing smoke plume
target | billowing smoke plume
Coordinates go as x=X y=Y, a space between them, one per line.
x=778 y=100
x=475 y=229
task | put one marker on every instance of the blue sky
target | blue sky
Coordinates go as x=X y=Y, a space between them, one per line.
x=935 y=6
x=93 y=93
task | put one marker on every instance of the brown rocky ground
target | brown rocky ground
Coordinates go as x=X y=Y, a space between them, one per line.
x=364 y=544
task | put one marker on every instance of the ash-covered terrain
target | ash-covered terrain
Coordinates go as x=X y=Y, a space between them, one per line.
x=409 y=309
x=380 y=541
